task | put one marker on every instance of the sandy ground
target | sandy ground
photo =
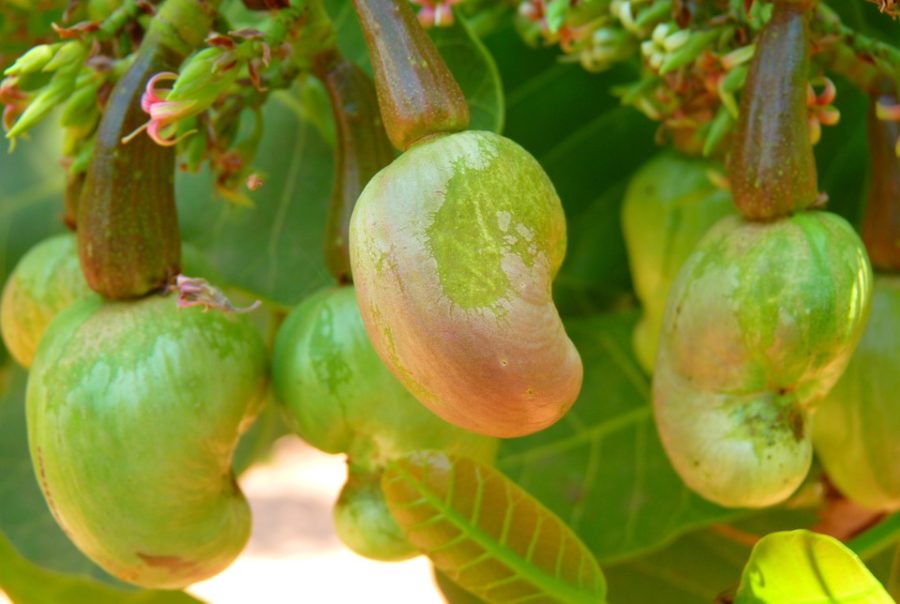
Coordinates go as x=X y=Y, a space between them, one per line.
x=294 y=556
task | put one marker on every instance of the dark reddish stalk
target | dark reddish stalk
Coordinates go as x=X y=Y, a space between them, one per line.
x=772 y=168
x=266 y=4
x=71 y=195
x=362 y=150
x=128 y=238
x=416 y=91
x=881 y=223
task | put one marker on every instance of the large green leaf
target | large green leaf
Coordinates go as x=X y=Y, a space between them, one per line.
x=802 y=566
x=475 y=71
x=31 y=194
x=469 y=60
x=701 y=567
x=27 y=583
x=487 y=534
x=602 y=467
x=273 y=250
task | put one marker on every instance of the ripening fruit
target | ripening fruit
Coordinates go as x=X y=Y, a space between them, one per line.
x=670 y=204
x=134 y=410
x=340 y=397
x=46 y=281
x=454 y=249
x=856 y=425
x=761 y=321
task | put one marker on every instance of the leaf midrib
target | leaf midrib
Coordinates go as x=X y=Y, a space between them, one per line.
x=541 y=580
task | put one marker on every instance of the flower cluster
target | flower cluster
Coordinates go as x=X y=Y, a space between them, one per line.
x=694 y=58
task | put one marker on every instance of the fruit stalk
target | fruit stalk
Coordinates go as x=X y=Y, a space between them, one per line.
x=128 y=239
x=416 y=91
x=74 y=187
x=881 y=223
x=772 y=167
x=362 y=150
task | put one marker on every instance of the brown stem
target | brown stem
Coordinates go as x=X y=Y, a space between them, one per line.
x=128 y=238
x=266 y=4
x=881 y=223
x=416 y=91
x=74 y=186
x=772 y=168
x=362 y=150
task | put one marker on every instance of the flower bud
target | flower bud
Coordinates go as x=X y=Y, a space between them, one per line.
x=33 y=61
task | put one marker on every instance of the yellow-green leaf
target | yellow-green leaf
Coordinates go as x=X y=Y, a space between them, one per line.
x=805 y=567
x=27 y=583
x=487 y=534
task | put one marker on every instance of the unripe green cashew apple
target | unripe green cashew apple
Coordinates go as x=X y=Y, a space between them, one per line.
x=760 y=324
x=454 y=248
x=46 y=281
x=364 y=523
x=341 y=398
x=134 y=410
x=856 y=425
x=669 y=205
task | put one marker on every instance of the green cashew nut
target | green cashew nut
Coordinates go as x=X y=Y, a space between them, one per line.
x=364 y=523
x=856 y=425
x=134 y=410
x=46 y=281
x=760 y=324
x=454 y=249
x=669 y=205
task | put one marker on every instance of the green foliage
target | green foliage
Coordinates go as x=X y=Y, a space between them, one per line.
x=28 y=583
x=800 y=566
x=487 y=534
x=602 y=468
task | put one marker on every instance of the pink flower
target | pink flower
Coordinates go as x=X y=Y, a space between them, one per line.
x=13 y=100
x=193 y=291
x=436 y=12
x=164 y=114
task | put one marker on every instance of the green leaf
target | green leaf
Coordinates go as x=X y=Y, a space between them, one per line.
x=589 y=145
x=487 y=534
x=696 y=569
x=878 y=538
x=701 y=567
x=468 y=59
x=27 y=583
x=31 y=194
x=452 y=592
x=802 y=566
x=274 y=249
x=893 y=575
x=475 y=72
x=602 y=467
